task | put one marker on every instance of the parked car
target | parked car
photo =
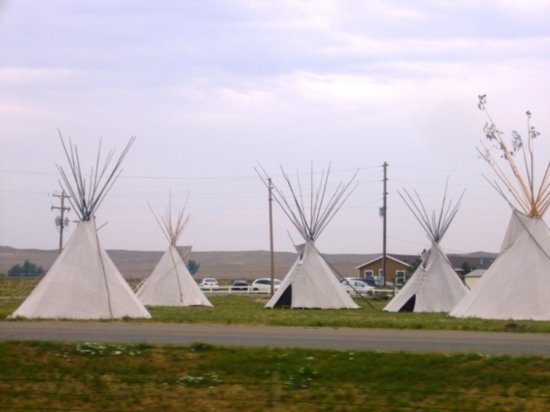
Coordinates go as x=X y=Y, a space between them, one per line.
x=263 y=285
x=239 y=286
x=356 y=287
x=369 y=280
x=209 y=283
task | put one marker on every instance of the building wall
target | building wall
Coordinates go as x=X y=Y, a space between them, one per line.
x=471 y=282
x=392 y=267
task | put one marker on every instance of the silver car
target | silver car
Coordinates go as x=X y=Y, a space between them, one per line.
x=263 y=285
x=356 y=287
x=209 y=283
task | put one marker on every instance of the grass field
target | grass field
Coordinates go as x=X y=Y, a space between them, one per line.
x=91 y=377
x=249 y=310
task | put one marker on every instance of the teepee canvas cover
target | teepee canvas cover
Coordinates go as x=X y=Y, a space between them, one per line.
x=434 y=286
x=83 y=282
x=170 y=283
x=311 y=282
x=517 y=285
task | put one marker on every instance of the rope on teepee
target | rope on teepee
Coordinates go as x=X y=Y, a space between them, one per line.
x=104 y=273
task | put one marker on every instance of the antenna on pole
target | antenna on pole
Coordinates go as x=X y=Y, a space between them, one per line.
x=61 y=220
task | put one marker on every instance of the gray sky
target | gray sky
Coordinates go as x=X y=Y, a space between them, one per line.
x=212 y=87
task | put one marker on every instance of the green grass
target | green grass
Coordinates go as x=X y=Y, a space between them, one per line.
x=249 y=310
x=93 y=377
x=246 y=310
x=12 y=293
x=48 y=376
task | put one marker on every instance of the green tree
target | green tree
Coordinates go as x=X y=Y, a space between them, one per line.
x=414 y=265
x=15 y=270
x=466 y=268
x=27 y=269
x=193 y=267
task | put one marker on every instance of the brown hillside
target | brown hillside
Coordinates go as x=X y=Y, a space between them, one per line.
x=222 y=265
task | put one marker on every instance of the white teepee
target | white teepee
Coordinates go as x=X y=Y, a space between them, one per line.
x=311 y=282
x=83 y=282
x=170 y=283
x=434 y=286
x=517 y=284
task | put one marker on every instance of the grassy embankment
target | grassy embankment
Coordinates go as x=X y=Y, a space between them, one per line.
x=91 y=377
x=88 y=377
x=249 y=310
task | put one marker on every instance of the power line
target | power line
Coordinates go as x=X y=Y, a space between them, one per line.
x=250 y=177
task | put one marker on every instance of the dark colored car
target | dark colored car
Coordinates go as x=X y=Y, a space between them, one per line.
x=369 y=280
x=239 y=285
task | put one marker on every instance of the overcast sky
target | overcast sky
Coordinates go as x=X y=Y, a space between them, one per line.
x=210 y=88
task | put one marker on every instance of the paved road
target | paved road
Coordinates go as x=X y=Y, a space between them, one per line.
x=386 y=340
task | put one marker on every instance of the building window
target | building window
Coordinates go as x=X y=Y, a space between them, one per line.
x=368 y=277
x=380 y=278
x=369 y=274
x=400 y=277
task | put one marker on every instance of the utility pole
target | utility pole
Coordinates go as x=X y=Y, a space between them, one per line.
x=272 y=257
x=385 y=217
x=62 y=208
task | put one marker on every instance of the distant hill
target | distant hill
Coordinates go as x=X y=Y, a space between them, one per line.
x=222 y=264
